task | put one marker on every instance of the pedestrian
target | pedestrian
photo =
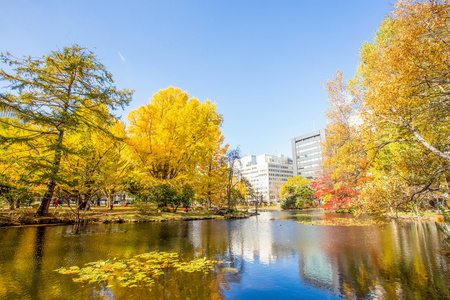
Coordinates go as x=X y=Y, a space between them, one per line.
x=111 y=207
x=55 y=203
x=192 y=207
x=186 y=209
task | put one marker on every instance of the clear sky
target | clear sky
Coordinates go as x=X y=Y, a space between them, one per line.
x=263 y=63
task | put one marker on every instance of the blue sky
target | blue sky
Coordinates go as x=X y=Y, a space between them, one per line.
x=263 y=63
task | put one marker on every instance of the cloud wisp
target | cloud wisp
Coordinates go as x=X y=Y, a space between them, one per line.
x=122 y=57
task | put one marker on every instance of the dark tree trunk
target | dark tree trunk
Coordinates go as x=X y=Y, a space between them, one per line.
x=11 y=203
x=48 y=195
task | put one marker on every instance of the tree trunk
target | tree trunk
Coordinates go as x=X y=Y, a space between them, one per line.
x=11 y=203
x=48 y=195
x=109 y=196
x=208 y=201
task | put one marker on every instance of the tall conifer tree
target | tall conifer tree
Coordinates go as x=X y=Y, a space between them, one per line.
x=55 y=94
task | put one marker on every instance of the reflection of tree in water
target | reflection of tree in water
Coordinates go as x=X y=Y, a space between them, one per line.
x=37 y=257
x=171 y=285
x=23 y=259
x=235 y=270
x=401 y=263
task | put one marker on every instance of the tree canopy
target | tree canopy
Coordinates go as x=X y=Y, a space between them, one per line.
x=296 y=193
x=51 y=96
x=175 y=140
x=387 y=136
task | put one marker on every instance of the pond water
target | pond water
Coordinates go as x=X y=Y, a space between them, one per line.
x=271 y=256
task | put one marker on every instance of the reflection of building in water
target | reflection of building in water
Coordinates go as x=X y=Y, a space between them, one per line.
x=249 y=240
x=316 y=269
x=254 y=243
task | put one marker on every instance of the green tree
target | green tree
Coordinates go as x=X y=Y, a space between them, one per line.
x=250 y=192
x=15 y=193
x=162 y=194
x=54 y=94
x=184 y=198
x=296 y=193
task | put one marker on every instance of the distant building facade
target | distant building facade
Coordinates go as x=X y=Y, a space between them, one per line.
x=6 y=113
x=307 y=154
x=266 y=174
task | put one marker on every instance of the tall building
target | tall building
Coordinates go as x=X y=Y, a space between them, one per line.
x=307 y=154
x=266 y=173
x=6 y=113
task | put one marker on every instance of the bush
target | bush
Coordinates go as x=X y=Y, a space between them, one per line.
x=144 y=208
x=164 y=209
x=288 y=203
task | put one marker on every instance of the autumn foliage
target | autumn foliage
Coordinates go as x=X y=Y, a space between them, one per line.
x=60 y=138
x=333 y=195
x=387 y=143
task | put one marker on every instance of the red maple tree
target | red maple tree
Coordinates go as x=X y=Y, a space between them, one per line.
x=334 y=197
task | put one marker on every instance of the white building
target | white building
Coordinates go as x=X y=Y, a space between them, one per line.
x=266 y=173
x=307 y=153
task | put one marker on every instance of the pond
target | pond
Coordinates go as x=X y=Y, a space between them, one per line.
x=271 y=256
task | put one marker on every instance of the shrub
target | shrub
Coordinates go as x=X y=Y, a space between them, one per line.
x=288 y=203
x=144 y=208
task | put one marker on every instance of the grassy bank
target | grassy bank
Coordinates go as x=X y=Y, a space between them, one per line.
x=64 y=215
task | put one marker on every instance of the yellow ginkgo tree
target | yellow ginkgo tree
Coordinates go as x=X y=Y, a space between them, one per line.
x=211 y=173
x=170 y=138
x=95 y=164
x=21 y=160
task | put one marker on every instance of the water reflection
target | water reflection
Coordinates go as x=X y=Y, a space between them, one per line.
x=271 y=256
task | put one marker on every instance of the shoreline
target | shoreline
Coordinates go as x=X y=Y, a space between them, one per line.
x=100 y=215
x=26 y=217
